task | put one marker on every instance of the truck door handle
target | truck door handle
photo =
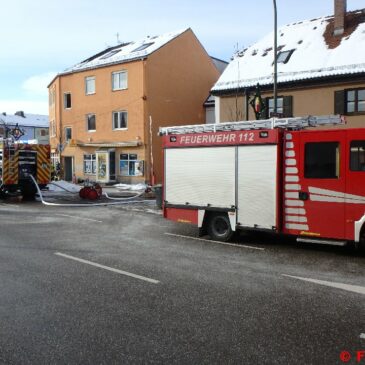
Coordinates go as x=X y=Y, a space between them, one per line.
x=303 y=195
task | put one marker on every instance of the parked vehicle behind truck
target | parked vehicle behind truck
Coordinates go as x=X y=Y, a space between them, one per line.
x=273 y=175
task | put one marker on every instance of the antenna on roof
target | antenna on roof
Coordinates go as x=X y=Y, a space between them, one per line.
x=118 y=40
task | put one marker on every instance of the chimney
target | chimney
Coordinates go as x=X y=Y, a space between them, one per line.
x=340 y=14
x=20 y=113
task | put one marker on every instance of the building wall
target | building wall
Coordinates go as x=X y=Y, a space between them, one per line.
x=179 y=77
x=102 y=104
x=306 y=101
x=169 y=88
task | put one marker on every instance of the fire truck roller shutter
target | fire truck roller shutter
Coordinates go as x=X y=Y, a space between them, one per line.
x=200 y=176
x=257 y=190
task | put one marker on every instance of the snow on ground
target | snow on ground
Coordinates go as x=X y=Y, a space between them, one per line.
x=62 y=186
x=132 y=187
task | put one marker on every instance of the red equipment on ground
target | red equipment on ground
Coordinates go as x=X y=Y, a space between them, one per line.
x=91 y=192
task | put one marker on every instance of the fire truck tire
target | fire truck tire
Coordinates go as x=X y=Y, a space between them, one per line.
x=28 y=192
x=219 y=227
x=361 y=244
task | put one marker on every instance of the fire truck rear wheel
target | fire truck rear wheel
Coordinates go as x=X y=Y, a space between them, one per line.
x=219 y=227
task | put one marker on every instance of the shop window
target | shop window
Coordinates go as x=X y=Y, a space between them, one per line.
x=129 y=165
x=90 y=164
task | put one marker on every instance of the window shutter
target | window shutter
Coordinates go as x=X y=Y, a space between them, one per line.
x=288 y=106
x=340 y=102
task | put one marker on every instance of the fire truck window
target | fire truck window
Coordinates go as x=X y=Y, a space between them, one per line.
x=322 y=160
x=357 y=156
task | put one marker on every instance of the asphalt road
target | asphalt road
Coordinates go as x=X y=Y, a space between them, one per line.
x=113 y=285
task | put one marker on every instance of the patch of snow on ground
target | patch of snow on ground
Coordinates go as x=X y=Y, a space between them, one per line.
x=62 y=186
x=132 y=187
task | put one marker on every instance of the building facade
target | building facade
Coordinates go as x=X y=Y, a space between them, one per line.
x=105 y=112
x=321 y=70
x=34 y=127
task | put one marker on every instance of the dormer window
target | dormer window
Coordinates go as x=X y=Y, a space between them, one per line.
x=142 y=47
x=284 y=56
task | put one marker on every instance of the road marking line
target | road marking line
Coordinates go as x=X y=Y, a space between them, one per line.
x=353 y=288
x=153 y=281
x=221 y=243
x=362 y=336
x=86 y=219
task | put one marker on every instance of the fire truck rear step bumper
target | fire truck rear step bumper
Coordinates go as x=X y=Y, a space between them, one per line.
x=322 y=242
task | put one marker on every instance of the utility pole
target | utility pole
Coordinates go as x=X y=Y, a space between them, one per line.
x=275 y=58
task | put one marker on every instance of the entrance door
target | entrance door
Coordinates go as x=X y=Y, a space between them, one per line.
x=68 y=161
x=102 y=166
x=322 y=183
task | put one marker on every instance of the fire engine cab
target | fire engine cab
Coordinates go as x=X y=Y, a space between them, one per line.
x=273 y=175
x=17 y=162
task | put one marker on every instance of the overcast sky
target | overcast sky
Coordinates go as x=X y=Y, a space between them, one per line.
x=41 y=38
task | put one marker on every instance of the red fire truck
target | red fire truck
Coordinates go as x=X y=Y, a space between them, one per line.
x=273 y=175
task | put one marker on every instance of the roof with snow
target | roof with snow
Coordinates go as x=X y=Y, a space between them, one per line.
x=29 y=120
x=126 y=52
x=306 y=50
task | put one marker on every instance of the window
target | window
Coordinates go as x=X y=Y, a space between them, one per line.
x=91 y=122
x=110 y=54
x=129 y=165
x=90 y=85
x=142 y=47
x=322 y=160
x=119 y=80
x=68 y=133
x=355 y=101
x=284 y=106
x=120 y=120
x=350 y=101
x=55 y=158
x=67 y=100
x=284 y=57
x=279 y=106
x=52 y=128
x=90 y=164
x=357 y=156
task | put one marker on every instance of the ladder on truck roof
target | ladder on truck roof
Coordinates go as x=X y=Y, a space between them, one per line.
x=287 y=123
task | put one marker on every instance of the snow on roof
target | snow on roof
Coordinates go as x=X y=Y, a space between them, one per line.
x=126 y=51
x=29 y=120
x=313 y=55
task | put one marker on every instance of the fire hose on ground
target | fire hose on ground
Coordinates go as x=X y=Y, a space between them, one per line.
x=121 y=201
